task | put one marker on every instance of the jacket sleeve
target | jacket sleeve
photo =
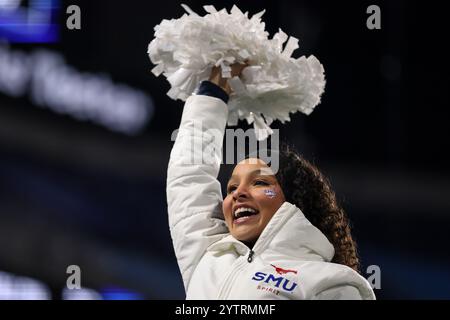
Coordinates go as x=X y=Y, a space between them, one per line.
x=194 y=194
x=332 y=281
x=345 y=292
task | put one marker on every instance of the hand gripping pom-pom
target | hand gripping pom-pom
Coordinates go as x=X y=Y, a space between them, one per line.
x=184 y=50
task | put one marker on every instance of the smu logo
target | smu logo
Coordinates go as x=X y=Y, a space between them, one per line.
x=278 y=281
x=283 y=271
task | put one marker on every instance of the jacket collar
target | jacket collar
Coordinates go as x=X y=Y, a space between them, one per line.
x=287 y=233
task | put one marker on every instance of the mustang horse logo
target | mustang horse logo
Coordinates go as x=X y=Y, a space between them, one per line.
x=283 y=271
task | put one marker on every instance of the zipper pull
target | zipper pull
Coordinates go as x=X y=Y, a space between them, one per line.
x=250 y=256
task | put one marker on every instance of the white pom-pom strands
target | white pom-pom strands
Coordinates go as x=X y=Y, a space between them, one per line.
x=185 y=50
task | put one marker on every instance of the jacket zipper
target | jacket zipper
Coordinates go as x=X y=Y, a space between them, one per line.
x=233 y=275
x=250 y=256
x=229 y=280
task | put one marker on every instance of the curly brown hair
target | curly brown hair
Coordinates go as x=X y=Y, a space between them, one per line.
x=306 y=187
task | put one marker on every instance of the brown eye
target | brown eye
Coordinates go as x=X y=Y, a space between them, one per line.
x=231 y=189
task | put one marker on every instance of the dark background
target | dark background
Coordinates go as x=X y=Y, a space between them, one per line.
x=74 y=192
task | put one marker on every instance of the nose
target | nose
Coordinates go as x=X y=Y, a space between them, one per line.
x=240 y=193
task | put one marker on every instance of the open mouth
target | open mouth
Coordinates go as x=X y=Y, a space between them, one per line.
x=244 y=214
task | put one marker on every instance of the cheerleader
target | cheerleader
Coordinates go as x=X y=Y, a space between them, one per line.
x=273 y=236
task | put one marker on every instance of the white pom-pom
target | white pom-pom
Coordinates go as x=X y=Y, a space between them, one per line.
x=184 y=50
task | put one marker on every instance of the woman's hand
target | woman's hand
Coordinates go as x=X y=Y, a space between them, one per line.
x=216 y=76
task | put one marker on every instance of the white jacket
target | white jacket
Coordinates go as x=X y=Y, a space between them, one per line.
x=290 y=260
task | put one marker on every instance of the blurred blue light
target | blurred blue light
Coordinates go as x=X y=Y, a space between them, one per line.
x=35 y=23
x=115 y=293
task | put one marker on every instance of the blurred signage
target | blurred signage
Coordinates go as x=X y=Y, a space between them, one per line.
x=51 y=83
x=33 y=21
x=22 y=288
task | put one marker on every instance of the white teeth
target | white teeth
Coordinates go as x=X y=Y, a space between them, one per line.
x=242 y=209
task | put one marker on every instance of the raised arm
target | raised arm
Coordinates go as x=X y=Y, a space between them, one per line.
x=193 y=192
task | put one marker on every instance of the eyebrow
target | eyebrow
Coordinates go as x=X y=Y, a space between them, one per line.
x=256 y=172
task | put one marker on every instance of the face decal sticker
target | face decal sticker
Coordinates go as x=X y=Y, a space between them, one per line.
x=270 y=193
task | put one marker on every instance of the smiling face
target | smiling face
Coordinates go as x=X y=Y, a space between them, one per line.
x=253 y=197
